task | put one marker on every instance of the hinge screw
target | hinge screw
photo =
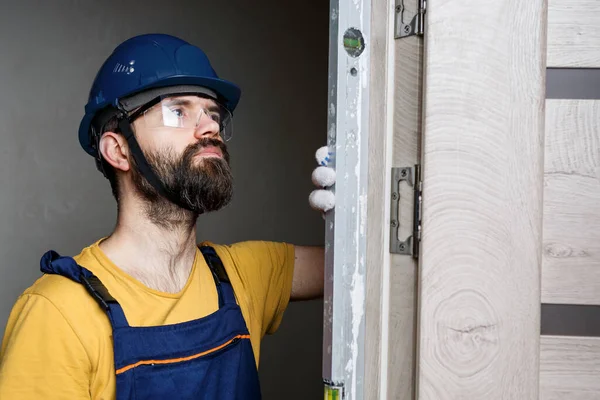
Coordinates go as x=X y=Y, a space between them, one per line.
x=394 y=223
x=407 y=29
x=402 y=247
x=403 y=173
x=394 y=196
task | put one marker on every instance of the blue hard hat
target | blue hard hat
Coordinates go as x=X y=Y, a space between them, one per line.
x=148 y=62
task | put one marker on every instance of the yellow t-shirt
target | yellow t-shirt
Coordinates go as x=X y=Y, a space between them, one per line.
x=58 y=341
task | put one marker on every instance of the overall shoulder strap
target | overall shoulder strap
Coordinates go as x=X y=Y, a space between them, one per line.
x=54 y=263
x=224 y=288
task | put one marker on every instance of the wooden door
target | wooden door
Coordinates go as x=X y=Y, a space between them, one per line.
x=570 y=364
x=460 y=153
x=510 y=194
x=483 y=148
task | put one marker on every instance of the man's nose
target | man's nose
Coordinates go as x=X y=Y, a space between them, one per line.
x=206 y=127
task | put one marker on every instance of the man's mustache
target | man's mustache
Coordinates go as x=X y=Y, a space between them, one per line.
x=194 y=148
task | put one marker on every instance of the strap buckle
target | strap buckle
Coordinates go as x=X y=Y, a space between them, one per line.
x=97 y=290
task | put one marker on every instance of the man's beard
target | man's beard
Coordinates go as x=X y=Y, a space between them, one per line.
x=199 y=186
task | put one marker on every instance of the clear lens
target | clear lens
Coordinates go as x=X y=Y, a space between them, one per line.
x=190 y=112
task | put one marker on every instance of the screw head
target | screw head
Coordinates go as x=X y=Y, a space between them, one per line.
x=394 y=196
x=403 y=173
x=407 y=29
x=402 y=247
x=394 y=223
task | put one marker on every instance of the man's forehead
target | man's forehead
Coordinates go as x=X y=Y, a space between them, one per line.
x=140 y=99
x=190 y=99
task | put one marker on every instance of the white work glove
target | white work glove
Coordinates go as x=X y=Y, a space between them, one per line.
x=323 y=177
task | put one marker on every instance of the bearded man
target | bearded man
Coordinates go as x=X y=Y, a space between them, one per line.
x=147 y=312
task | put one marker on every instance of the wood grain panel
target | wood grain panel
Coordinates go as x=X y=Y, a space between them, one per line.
x=482 y=201
x=571 y=263
x=377 y=204
x=574 y=33
x=403 y=269
x=569 y=368
x=408 y=99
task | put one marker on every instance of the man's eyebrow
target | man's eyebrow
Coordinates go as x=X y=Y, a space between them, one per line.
x=177 y=101
x=213 y=107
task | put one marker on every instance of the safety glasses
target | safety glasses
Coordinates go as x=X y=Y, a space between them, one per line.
x=186 y=112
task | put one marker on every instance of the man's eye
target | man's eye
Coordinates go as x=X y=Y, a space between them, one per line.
x=215 y=117
x=178 y=112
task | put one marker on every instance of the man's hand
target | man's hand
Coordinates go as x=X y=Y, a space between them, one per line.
x=323 y=177
x=308 y=281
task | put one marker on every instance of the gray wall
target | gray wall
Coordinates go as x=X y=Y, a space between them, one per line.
x=51 y=196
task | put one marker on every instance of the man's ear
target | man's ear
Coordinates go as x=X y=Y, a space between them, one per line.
x=115 y=151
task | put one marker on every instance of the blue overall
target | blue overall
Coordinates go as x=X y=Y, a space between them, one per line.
x=207 y=358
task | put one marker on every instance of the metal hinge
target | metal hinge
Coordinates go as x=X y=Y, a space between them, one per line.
x=412 y=176
x=416 y=21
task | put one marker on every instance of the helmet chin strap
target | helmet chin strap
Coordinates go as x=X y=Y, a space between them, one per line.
x=145 y=168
